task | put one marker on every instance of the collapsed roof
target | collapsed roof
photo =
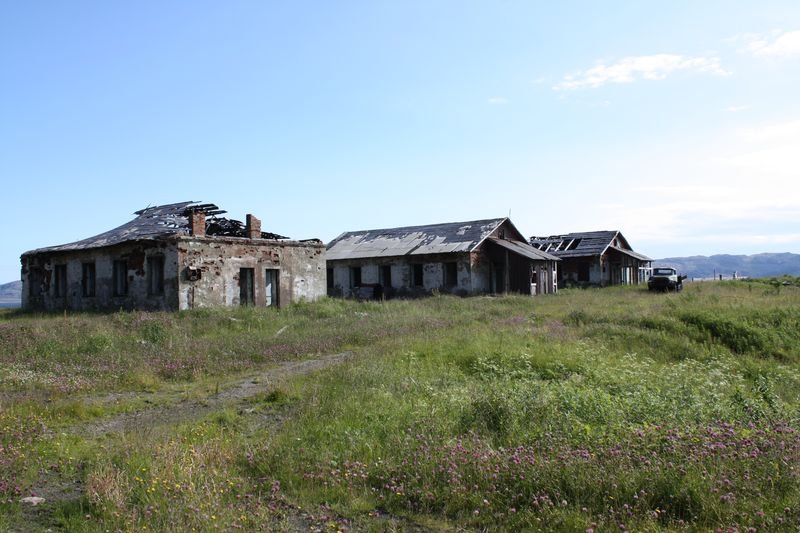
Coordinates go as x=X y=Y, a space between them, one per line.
x=452 y=237
x=585 y=244
x=159 y=222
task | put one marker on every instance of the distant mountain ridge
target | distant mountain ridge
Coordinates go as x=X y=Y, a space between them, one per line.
x=11 y=293
x=753 y=266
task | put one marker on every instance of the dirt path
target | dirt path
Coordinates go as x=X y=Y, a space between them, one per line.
x=57 y=491
x=188 y=410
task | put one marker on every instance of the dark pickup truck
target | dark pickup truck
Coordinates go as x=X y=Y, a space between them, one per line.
x=665 y=279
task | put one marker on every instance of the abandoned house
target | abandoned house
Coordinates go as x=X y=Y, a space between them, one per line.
x=176 y=256
x=477 y=257
x=595 y=258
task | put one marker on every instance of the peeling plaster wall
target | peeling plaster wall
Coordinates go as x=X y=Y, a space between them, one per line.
x=402 y=274
x=300 y=271
x=474 y=274
x=481 y=268
x=38 y=291
x=217 y=263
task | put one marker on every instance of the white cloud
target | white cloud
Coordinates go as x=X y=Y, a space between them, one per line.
x=630 y=69
x=497 y=100
x=777 y=44
x=736 y=191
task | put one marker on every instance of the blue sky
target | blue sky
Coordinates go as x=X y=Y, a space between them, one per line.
x=676 y=122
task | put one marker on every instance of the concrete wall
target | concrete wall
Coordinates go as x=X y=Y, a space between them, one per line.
x=198 y=272
x=300 y=268
x=475 y=274
x=402 y=282
x=39 y=285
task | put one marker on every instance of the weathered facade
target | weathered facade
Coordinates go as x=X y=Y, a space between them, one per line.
x=177 y=256
x=477 y=257
x=595 y=258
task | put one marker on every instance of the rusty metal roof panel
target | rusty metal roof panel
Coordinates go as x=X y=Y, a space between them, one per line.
x=453 y=237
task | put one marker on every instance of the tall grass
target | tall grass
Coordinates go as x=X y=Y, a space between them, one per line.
x=598 y=409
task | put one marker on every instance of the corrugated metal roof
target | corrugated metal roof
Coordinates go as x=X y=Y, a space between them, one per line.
x=453 y=237
x=585 y=244
x=412 y=240
x=525 y=250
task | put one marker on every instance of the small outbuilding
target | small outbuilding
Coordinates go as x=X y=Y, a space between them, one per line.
x=464 y=258
x=595 y=258
x=176 y=256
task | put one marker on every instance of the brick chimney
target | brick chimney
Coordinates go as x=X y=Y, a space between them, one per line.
x=197 y=223
x=252 y=227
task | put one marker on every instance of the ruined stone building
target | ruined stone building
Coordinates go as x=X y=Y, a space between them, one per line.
x=595 y=258
x=477 y=257
x=176 y=256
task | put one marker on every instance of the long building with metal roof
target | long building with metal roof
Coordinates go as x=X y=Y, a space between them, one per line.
x=473 y=257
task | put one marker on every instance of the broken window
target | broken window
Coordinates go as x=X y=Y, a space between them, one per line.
x=60 y=281
x=87 y=280
x=450 y=274
x=155 y=275
x=355 y=276
x=120 y=277
x=247 y=290
x=271 y=286
x=416 y=275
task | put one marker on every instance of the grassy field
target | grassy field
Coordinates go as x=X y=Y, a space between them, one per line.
x=604 y=410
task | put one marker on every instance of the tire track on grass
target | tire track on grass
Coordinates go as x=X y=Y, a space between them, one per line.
x=190 y=410
x=56 y=491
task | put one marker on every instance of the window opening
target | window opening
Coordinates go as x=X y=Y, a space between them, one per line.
x=386 y=275
x=355 y=276
x=60 y=281
x=271 y=286
x=247 y=292
x=155 y=275
x=416 y=275
x=120 y=277
x=450 y=274
x=88 y=281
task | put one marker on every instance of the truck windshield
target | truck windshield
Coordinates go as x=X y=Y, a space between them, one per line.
x=662 y=271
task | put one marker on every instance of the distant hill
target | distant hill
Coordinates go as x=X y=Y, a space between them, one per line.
x=753 y=266
x=11 y=293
